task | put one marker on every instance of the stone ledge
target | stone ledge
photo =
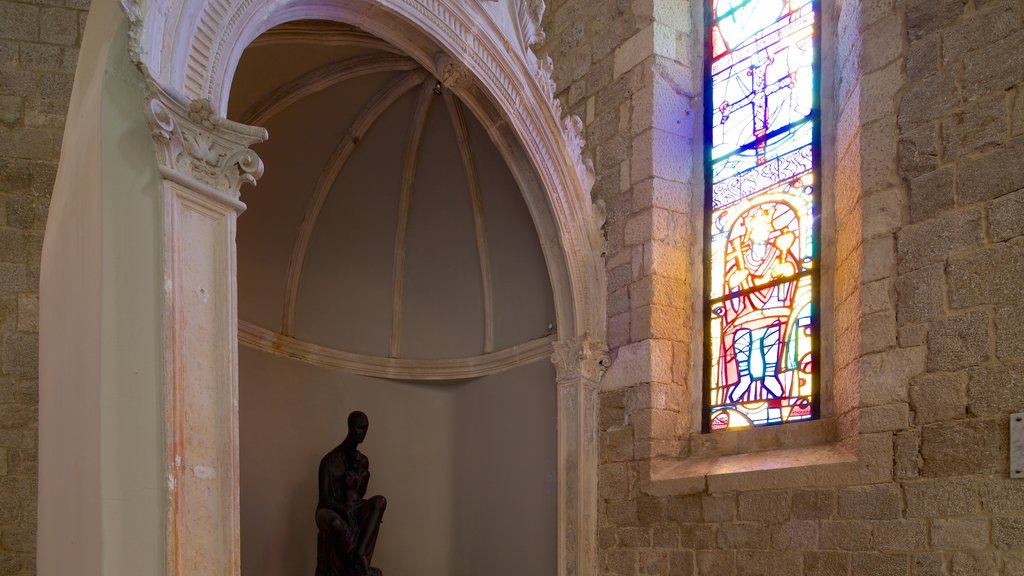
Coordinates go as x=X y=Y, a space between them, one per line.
x=806 y=434
x=827 y=465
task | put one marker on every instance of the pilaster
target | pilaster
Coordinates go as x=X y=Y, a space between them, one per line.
x=203 y=159
x=579 y=364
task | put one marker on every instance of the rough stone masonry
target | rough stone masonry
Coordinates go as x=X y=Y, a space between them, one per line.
x=925 y=146
x=39 y=42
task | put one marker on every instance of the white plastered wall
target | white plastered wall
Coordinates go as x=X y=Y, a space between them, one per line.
x=468 y=468
x=102 y=492
x=505 y=466
x=291 y=414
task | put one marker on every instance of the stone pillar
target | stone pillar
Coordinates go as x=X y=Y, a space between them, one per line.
x=579 y=364
x=203 y=159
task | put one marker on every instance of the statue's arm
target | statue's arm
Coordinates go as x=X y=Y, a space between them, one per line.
x=364 y=484
x=327 y=499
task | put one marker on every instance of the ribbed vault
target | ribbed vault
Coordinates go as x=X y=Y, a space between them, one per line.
x=390 y=238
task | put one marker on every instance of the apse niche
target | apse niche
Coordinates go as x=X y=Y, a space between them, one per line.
x=387 y=262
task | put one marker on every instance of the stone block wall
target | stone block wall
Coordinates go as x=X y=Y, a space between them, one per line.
x=39 y=42
x=626 y=69
x=925 y=146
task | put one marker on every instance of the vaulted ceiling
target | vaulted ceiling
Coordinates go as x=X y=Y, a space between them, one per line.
x=388 y=225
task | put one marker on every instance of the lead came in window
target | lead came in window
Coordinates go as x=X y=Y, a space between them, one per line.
x=762 y=207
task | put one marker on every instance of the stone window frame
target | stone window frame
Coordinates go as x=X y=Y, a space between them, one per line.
x=818 y=430
x=842 y=442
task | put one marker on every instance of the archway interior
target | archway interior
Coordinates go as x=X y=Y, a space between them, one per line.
x=388 y=226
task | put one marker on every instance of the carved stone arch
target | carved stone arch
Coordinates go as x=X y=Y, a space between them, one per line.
x=193 y=52
x=482 y=50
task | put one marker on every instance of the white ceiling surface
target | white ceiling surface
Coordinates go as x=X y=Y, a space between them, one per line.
x=344 y=298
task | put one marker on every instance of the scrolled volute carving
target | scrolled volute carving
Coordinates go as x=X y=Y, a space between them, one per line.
x=598 y=218
x=193 y=141
x=545 y=68
x=135 y=15
x=580 y=357
x=529 y=14
x=572 y=131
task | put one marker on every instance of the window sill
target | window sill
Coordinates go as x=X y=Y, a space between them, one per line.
x=769 y=438
x=831 y=464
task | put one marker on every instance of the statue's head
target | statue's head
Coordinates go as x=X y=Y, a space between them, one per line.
x=358 y=423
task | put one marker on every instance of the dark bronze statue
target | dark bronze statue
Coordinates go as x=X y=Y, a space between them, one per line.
x=348 y=522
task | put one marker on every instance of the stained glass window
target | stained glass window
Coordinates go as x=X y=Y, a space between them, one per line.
x=761 y=213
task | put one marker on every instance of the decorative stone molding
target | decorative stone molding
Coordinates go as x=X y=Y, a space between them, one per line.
x=134 y=12
x=529 y=15
x=189 y=48
x=520 y=20
x=193 y=46
x=579 y=364
x=580 y=358
x=323 y=34
x=193 y=142
x=447 y=369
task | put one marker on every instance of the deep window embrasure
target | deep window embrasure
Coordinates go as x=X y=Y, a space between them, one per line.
x=762 y=213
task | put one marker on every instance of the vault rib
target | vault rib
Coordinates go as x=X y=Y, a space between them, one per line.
x=322 y=34
x=458 y=118
x=412 y=149
x=321 y=79
x=360 y=126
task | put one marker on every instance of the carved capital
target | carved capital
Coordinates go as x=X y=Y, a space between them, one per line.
x=194 y=142
x=580 y=358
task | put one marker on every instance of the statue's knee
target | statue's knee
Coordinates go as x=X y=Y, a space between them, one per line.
x=326 y=519
x=379 y=502
x=337 y=526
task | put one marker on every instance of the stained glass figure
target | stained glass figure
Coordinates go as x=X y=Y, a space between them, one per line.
x=761 y=213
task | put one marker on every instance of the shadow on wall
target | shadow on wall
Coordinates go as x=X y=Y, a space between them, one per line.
x=505 y=474
x=468 y=469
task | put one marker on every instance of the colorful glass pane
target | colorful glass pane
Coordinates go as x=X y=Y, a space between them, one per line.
x=761 y=208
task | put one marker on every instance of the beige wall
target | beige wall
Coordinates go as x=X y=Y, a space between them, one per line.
x=505 y=484
x=132 y=431
x=102 y=481
x=291 y=414
x=467 y=468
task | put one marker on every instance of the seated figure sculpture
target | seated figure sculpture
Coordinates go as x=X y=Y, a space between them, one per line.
x=347 y=521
